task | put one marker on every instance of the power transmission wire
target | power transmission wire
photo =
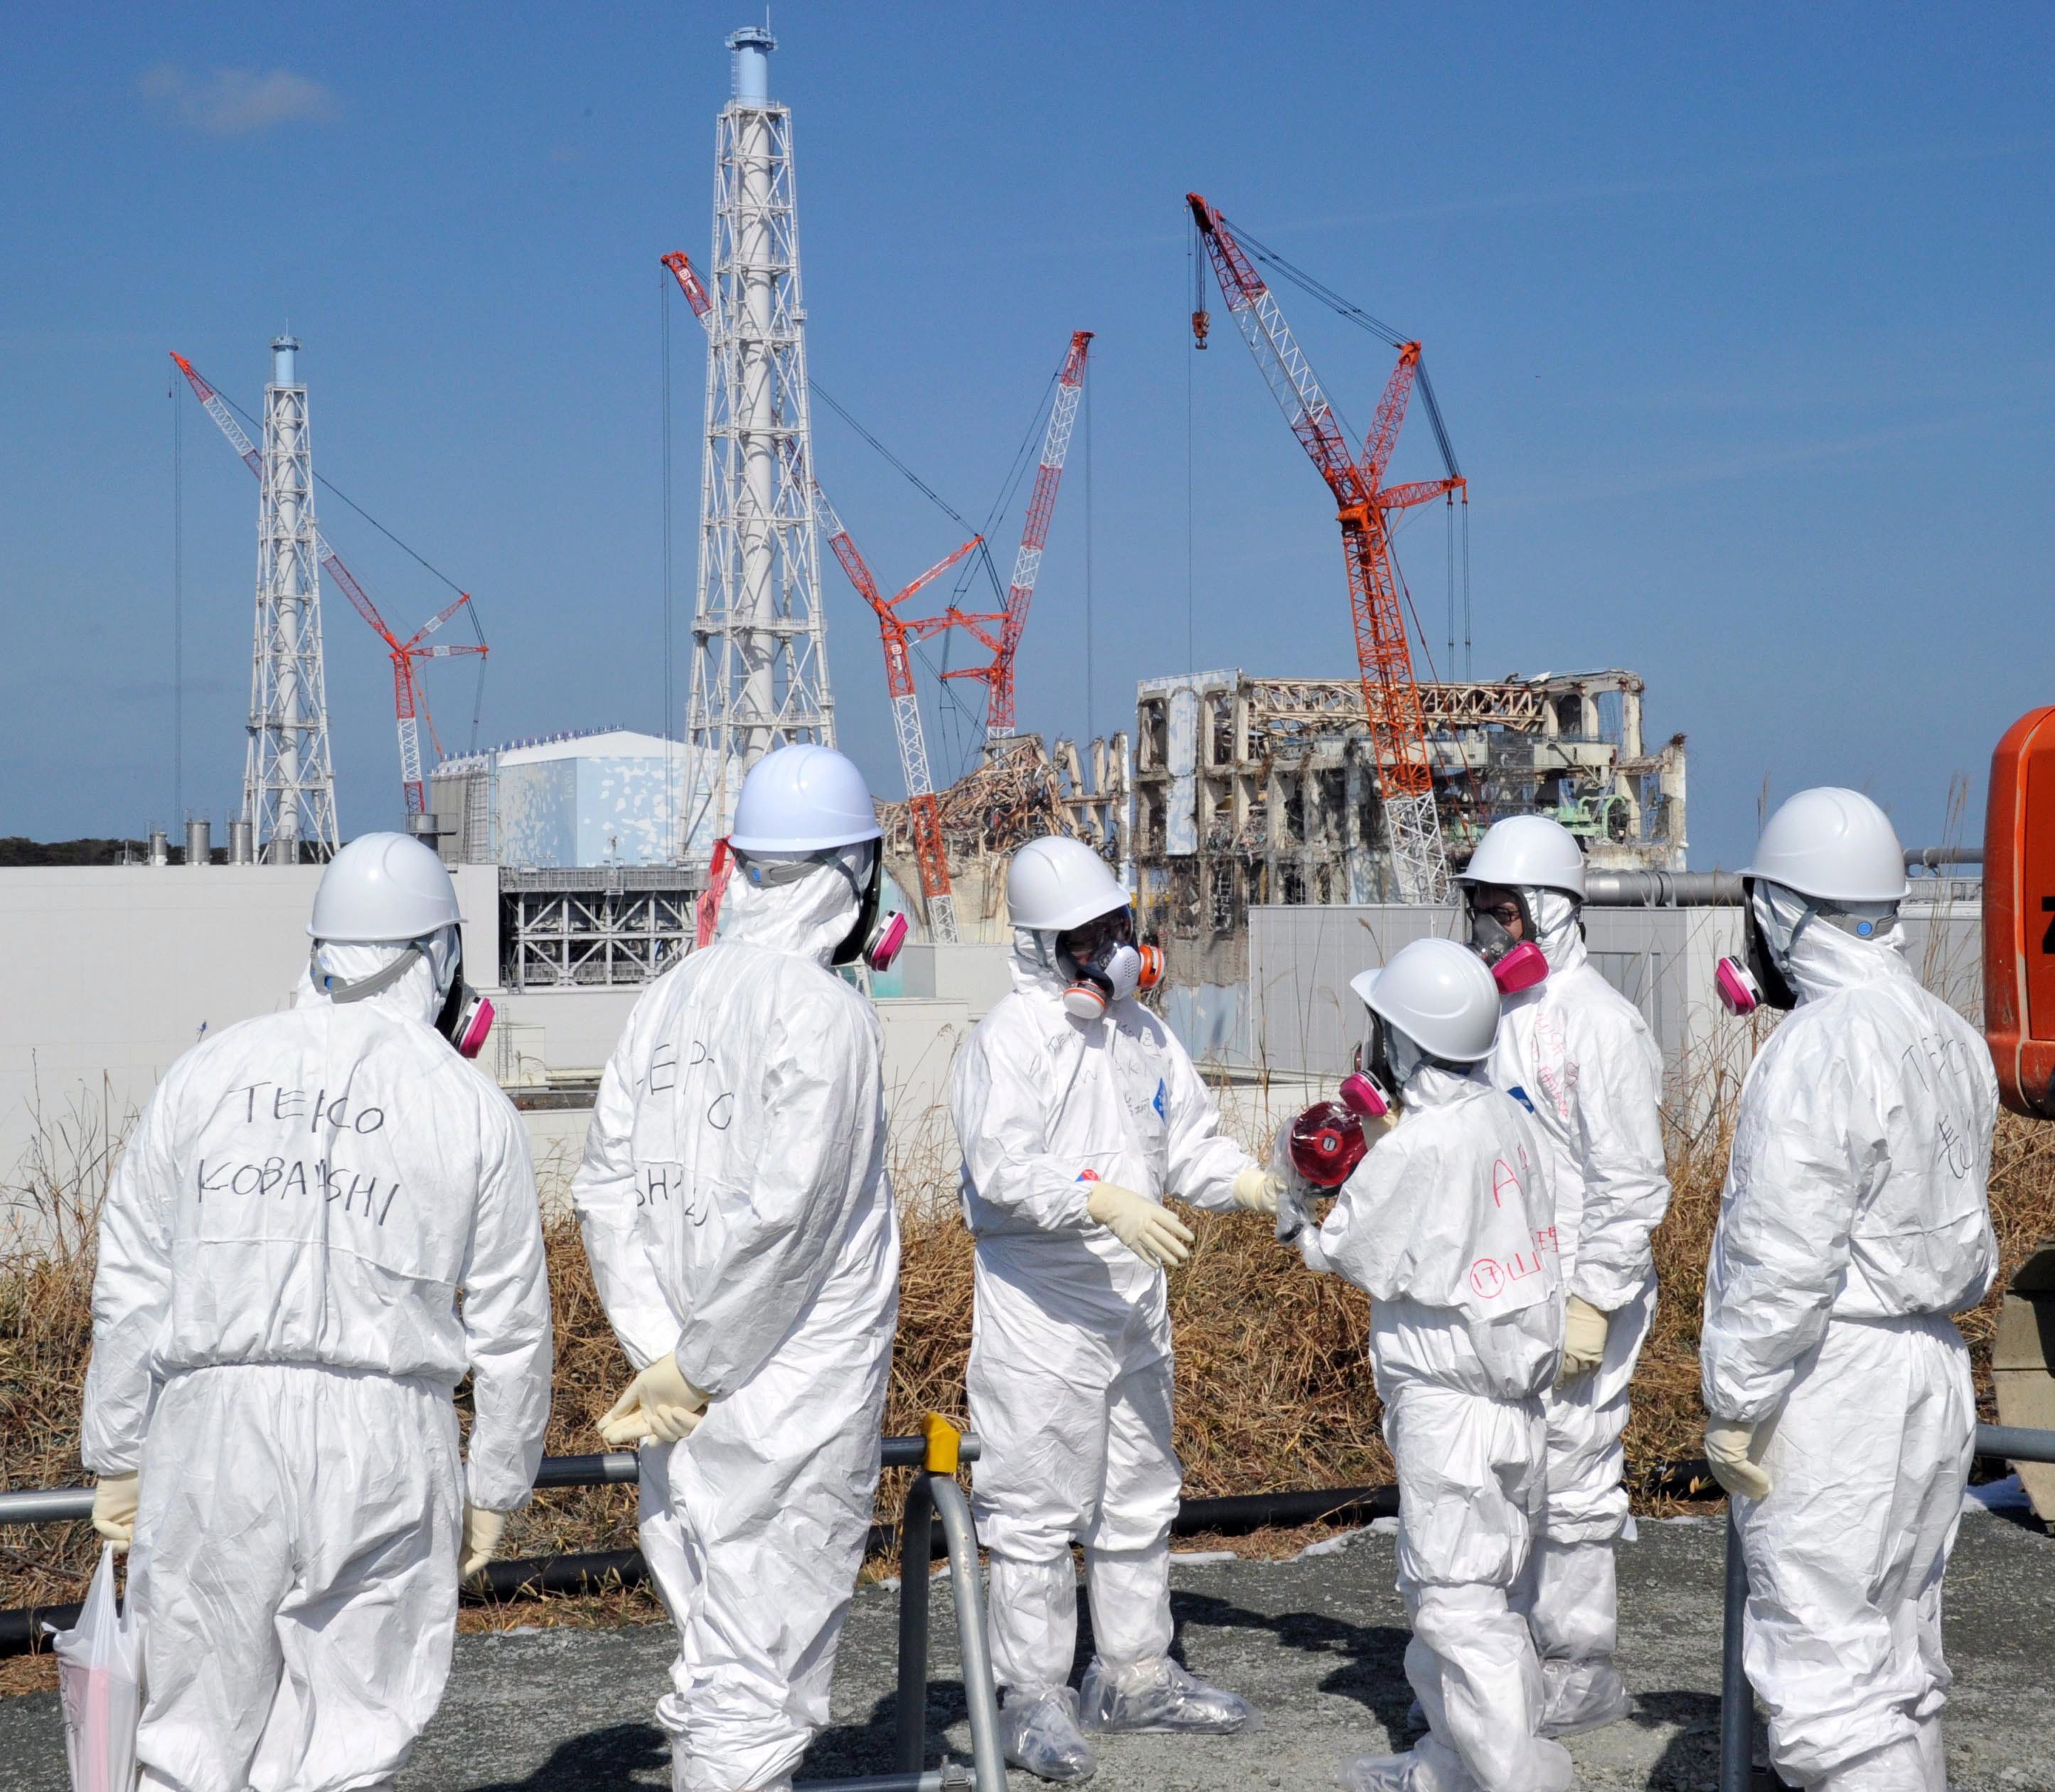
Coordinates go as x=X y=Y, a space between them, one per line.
x=670 y=729
x=336 y=491
x=1090 y=731
x=1191 y=625
x=178 y=603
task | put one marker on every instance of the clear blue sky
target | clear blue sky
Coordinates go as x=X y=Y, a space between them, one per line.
x=1740 y=318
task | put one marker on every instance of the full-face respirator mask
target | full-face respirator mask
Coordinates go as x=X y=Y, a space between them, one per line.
x=875 y=937
x=1757 y=979
x=1104 y=964
x=1515 y=961
x=465 y=1017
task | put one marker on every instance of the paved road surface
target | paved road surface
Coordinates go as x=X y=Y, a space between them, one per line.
x=1316 y=1642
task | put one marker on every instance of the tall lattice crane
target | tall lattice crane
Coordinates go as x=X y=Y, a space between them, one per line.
x=409 y=704
x=1391 y=697
x=897 y=636
x=996 y=676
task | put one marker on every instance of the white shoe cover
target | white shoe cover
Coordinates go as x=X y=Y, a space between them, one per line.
x=1377 y=1773
x=1039 y=1732
x=1581 y=1696
x=1156 y=1694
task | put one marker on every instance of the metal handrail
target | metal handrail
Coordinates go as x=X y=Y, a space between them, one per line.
x=52 y=1505
x=933 y=1495
x=1736 y=1700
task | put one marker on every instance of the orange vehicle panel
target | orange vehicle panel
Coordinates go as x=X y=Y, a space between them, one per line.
x=2019 y=914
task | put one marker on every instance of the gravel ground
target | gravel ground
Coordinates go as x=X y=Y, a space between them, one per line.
x=1315 y=1642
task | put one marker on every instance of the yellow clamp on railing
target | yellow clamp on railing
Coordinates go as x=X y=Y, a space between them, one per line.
x=944 y=1442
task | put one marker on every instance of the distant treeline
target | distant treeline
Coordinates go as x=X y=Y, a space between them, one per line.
x=16 y=850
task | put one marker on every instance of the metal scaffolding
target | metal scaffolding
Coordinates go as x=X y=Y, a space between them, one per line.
x=288 y=780
x=759 y=667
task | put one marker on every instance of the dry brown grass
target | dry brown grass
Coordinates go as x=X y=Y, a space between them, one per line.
x=1273 y=1390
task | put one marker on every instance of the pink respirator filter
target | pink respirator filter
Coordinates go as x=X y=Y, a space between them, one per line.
x=885 y=944
x=1361 y=1095
x=1736 y=986
x=1522 y=968
x=471 y=1035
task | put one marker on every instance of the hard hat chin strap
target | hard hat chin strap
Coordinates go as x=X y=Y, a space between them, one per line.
x=340 y=993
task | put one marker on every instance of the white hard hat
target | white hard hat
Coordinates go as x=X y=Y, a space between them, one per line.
x=383 y=886
x=1440 y=995
x=803 y=799
x=1528 y=852
x=1057 y=883
x=1833 y=844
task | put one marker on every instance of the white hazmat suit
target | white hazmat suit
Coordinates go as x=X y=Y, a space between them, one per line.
x=1580 y=1056
x=324 y=1219
x=1448 y=1226
x=1070 y=1365
x=1854 y=1221
x=737 y=1212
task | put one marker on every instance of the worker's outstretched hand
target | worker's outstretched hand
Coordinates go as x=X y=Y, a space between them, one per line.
x=1585 y=1329
x=481 y=1531
x=1257 y=1189
x=114 y=1502
x=1729 y=1446
x=659 y=1406
x=1152 y=1233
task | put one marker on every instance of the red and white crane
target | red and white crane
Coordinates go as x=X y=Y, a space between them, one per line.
x=1391 y=696
x=898 y=635
x=409 y=703
x=1004 y=647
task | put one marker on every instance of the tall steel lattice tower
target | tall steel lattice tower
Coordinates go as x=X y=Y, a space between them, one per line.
x=288 y=780
x=759 y=666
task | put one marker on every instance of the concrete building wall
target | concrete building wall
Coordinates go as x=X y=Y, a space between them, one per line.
x=1304 y=1019
x=538 y=814
x=130 y=963
x=116 y=969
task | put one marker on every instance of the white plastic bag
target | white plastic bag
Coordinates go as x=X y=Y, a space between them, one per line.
x=100 y=1676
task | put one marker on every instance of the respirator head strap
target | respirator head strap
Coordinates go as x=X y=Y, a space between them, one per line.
x=341 y=993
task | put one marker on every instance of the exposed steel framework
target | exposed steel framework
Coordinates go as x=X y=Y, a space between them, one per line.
x=1004 y=646
x=410 y=705
x=1364 y=505
x=897 y=635
x=759 y=676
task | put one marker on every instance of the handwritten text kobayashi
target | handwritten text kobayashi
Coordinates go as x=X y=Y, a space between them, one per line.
x=288 y=1179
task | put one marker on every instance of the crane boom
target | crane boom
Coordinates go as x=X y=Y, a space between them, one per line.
x=1401 y=757
x=1035 y=532
x=408 y=705
x=929 y=851
x=997 y=676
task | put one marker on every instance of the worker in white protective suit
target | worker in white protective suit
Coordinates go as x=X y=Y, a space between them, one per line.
x=324 y=1219
x=1853 y=1223
x=1581 y=1057
x=1448 y=1226
x=739 y=1218
x=1079 y=1111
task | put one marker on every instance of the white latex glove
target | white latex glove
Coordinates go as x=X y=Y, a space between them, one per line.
x=114 y=1503
x=1583 y=1338
x=482 y=1530
x=1257 y=1189
x=1147 y=1229
x=1729 y=1442
x=658 y=1404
